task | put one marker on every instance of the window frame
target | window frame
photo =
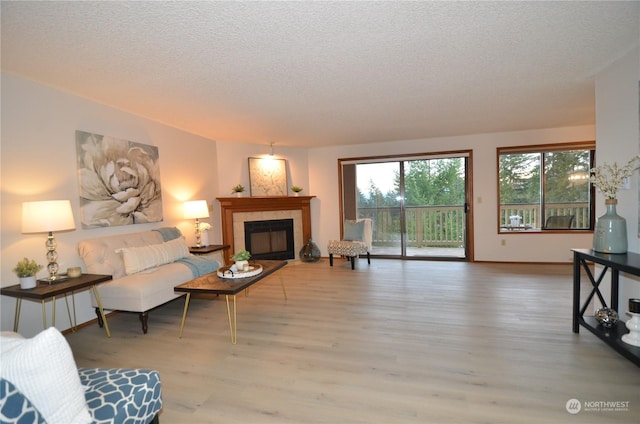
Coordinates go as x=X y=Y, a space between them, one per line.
x=542 y=149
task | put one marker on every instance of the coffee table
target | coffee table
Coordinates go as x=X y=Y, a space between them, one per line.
x=230 y=287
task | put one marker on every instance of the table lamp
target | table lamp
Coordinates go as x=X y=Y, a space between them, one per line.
x=196 y=209
x=46 y=217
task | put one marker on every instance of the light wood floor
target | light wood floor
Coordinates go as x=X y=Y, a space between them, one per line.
x=393 y=342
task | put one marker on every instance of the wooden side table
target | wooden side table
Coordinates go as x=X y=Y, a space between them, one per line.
x=212 y=248
x=44 y=291
x=207 y=249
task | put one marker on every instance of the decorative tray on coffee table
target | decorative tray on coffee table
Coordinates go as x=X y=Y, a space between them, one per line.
x=232 y=272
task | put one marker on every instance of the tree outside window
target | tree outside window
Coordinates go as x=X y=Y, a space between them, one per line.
x=538 y=182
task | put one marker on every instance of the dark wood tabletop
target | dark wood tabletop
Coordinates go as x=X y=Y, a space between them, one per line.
x=212 y=284
x=46 y=290
x=203 y=250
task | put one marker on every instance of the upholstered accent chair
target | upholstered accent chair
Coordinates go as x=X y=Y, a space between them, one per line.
x=559 y=222
x=356 y=240
x=40 y=383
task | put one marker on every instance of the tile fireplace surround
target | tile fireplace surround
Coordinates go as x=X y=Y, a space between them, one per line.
x=235 y=211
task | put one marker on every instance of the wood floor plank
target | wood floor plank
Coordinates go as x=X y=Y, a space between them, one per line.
x=391 y=342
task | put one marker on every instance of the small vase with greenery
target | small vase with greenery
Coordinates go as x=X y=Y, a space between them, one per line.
x=26 y=270
x=238 y=189
x=241 y=259
x=242 y=255
x=296 y=190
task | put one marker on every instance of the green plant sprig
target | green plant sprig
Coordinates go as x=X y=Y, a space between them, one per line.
x=242 y=255
x=27 y=268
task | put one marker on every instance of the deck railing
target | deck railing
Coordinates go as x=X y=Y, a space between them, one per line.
x=444 y=226
x=441 y=226
x=530 y=213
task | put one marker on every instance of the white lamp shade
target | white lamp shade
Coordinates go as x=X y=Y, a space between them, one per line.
x=48 y=215
x=196 y=209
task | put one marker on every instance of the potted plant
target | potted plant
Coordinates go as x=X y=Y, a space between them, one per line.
x=238 y=190
x=296 y=190
x=241 y=259
x=26 y=270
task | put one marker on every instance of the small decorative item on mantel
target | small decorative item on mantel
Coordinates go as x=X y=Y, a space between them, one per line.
x=610 y=234
x=296 y=190
x=26 y=271
x=241 y=259
x=238 y=190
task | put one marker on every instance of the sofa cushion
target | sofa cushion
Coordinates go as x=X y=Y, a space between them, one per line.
x=44 y=370
x=100 y=257
x=138 y=259
x=143 y=290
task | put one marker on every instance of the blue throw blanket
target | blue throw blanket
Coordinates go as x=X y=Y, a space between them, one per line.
x=168 y=233
x=200 y=265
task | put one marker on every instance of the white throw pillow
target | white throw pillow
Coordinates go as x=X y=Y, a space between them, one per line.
x=138 y=259
x=44 y=370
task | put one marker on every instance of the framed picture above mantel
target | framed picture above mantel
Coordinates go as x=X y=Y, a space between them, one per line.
x=268 y=177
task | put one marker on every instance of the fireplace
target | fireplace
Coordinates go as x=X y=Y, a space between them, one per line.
x=237 y=210
x=270 y=239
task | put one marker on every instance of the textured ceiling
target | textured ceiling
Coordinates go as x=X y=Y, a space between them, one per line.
x=326 y=73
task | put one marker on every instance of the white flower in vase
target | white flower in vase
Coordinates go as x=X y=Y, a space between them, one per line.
x=609 y=178
x=203 y=230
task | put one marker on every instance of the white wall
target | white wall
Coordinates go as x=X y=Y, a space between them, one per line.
x=323 y=169
x=233 y=169
x=39 y=163
x=618 y=135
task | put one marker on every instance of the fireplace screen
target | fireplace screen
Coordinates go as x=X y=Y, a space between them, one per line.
x=272 y=239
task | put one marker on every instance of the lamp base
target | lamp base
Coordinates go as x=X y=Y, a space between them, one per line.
x=56 y=280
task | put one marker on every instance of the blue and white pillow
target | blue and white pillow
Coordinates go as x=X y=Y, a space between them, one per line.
x=44 y=370
x=15 y=408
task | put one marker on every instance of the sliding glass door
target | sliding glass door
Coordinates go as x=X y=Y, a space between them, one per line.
x=418 y=205
x=379 y=198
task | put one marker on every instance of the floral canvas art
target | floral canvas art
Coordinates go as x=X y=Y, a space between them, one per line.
x=268 y=177
x=119 y=181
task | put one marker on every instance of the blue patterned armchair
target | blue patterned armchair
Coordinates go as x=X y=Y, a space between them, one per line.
x=60 y=393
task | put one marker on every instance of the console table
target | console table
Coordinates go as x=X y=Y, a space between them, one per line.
x=628 y=263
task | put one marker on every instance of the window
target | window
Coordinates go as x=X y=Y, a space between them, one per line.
x=545 y=187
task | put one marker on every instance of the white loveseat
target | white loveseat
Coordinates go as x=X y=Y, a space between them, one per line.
x=145 y=267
